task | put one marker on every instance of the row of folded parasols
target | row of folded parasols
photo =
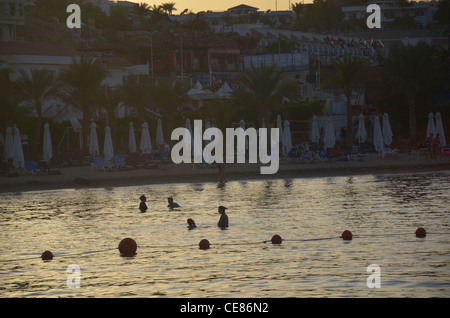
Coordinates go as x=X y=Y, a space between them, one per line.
x=382 y=132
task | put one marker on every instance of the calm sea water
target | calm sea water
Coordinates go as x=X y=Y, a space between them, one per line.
x=85 y=226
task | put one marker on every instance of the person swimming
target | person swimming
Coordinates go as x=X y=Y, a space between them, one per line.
x=191 y=224
x=172 y=204
x=223 y=221
x=142 y=205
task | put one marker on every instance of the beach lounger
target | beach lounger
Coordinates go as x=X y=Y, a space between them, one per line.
x=322 y=155
x=98 y=162
x=119 y=162
x=29 y=166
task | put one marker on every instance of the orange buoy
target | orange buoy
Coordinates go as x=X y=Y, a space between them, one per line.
x=47 y=255
x=127 y=247
x=276 y=239
x=347 y=235
x=420 y=232
x=204 y=244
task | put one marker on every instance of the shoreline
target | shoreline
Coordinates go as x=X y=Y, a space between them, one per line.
x=169 y=173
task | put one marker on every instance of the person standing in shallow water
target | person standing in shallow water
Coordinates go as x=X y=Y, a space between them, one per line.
x=223 y=221
x=142 y=205
x=191 y=224
x=172 y=204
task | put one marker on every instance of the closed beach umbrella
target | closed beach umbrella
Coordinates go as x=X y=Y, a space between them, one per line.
x=242 y=125
x=18 y=158
x=9 y=144
x=93 y=141
x=108 y=150
x=361 y=134
x=387 y=131
x=207 y=125
x=330 y=137
x=431 y=128
x=188 y=125
x=377 y=136
x=47 y=147
x=146 y=144
x=287 y=140
x=131 y=139
x=76 y=126
x=159 y=133
x=315 y=136
x=198 y=149
x=440 y=129
x=280 y=132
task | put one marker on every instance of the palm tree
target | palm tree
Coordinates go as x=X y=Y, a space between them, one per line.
x=142 y=10
x=262 y=89
x=349 y=73
x=411 y=70
x=8 y=100
x=82 y=80
x=157 y=12
x=36 y=87
x=169 y=96
x=168 y=7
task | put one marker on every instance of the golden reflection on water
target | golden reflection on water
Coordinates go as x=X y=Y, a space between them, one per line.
x=84 y=227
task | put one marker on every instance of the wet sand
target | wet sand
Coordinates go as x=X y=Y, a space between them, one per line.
x=87 y=177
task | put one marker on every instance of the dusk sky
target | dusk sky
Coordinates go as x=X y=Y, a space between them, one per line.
x=202 y=5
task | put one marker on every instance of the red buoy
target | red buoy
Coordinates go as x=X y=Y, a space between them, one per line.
x=420 y=232
x=276 y=239
x=204 y=244
x=347 y=235
x=47 y=255
x=127 y=247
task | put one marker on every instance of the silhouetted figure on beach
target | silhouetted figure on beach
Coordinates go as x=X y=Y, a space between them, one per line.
x=223 y=221
x=142 y=205
x=172 y=204
x=191 y=224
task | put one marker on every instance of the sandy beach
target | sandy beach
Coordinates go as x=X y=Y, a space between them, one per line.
x=86 y=176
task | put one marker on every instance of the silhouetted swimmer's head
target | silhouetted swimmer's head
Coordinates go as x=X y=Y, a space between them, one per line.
x=191 y=224
x=143 y=198
x=222 y=209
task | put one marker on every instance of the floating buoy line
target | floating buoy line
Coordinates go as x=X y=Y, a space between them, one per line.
x=128 y=247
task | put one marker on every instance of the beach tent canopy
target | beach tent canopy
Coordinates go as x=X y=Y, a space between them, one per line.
x=224 y=91
x=146 y=144
x=131 y=139
x=47 y=145
x=199 y=93
x=93 y=141
x=108 y=150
